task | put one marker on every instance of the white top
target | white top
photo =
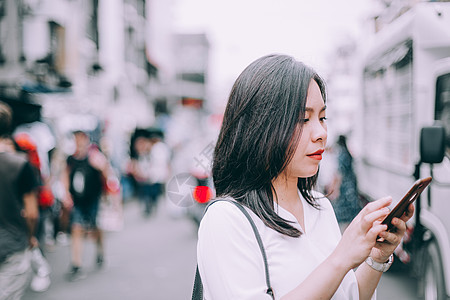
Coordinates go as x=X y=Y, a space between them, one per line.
x=154 y=166
x=231 y=265
x=160 y=160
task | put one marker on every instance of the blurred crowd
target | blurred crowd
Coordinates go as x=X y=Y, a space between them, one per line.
x=66 y=187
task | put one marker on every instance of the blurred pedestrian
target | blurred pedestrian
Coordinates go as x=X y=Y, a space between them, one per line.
x=26 y=144
x=41 y=276
x=149 y=167
x=140 y=170
x=346 y=203
x=130 y=187
x=160 y=155
x=265 y=164
x=86 y=172
x=18 y=214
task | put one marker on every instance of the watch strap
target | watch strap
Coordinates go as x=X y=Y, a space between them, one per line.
x=380 y=267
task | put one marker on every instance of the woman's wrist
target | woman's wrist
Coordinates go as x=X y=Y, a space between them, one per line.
x=338 y=263
x=380 y=258
x=380 y=267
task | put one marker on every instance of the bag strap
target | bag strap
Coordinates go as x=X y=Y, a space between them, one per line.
x=198 y=287
x=197 y=292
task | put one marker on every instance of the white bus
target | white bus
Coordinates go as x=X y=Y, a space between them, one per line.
x=405 y=134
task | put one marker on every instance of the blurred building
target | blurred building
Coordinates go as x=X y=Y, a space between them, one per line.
x=392 y=9
x=191 y=61
x=187 y=131
x=343 y=88
x=60 y=57
x=117 y=60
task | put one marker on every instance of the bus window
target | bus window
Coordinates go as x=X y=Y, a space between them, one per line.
x=442 y=112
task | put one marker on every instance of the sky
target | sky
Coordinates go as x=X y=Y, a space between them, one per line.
x=241 y=31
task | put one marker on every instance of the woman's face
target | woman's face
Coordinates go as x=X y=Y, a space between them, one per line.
x=311 y=145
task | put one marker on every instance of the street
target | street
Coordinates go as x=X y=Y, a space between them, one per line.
x=153 y=258
x=396 y=286
x=150 y=258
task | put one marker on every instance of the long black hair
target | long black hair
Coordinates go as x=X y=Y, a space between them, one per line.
x=258 y=137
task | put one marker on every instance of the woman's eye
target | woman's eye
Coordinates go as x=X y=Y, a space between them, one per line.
x=323 y=119
x=305 y=120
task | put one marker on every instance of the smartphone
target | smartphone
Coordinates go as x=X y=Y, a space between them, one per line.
x=409 y=198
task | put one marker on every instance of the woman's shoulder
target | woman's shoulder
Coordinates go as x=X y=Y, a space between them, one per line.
x=224 y=219
x=220 y=210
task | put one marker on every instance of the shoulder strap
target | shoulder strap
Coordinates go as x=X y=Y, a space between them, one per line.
x=197 y=292
x=198 y=287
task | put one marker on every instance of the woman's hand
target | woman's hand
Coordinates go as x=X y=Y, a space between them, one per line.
x=360 y=237
x=389 y=240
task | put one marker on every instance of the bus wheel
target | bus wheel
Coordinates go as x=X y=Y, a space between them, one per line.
x=434 y=288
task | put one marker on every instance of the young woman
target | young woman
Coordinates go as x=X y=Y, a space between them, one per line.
x=267 y=158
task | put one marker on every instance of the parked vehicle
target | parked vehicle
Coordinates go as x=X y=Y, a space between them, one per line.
x=405 y=134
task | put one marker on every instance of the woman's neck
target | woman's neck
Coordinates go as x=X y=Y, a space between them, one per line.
x=288 y=198
x=286 y=191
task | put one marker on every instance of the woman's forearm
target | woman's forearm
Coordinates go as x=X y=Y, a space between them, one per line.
x=322 y=283
x=368 y=280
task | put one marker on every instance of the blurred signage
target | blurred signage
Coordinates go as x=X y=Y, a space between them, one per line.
x=192 y=102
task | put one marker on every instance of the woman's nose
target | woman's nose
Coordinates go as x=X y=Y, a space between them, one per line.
x=320 y=131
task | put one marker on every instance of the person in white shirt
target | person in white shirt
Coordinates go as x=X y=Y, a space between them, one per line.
x=267 y=158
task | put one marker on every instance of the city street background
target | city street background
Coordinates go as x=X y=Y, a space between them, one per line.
x=116 y=68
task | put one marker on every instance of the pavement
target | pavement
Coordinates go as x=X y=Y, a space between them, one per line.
x=150 y=258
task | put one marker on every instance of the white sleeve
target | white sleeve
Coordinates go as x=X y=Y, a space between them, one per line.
x=229 y=259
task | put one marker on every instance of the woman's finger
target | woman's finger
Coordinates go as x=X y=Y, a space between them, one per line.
x=399 y=224
x=390 y=237
x=377 y=215
x=375 y=231
x=371 y=214
x=377 y=204
x=408 y=213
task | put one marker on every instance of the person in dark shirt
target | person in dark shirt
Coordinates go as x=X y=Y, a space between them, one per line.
x=85 y=173
x=347 y=204
x=18 y=213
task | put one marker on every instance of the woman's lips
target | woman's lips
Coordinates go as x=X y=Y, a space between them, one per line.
x=316 y=155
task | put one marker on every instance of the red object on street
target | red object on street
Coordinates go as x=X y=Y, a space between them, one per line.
x=25 y=143
x=45 y=195
x=202 y=194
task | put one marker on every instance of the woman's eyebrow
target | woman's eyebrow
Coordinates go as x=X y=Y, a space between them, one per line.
x=310 y=109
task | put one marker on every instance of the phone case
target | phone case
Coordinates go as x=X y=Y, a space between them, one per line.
x=409 y=198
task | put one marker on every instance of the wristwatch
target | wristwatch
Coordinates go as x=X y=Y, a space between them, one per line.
x=380 y=267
